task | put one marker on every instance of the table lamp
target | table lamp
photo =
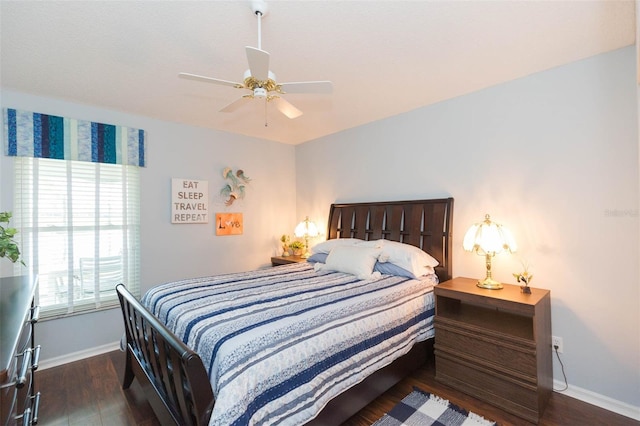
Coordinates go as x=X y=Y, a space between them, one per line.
x=306 y=229
x=487 y=239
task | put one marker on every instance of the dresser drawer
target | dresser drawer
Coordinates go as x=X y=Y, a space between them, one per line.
x=8 y=399
x=25 y=391
x=18 y=356
x=495 y=344
x=476 y=344
x=507 y=392
x=14 y=396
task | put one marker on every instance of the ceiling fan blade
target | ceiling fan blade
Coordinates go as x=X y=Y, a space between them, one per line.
x=258 y=63
x=307 y=87
x=236 y=104
x=210 y=80
x=286 y=108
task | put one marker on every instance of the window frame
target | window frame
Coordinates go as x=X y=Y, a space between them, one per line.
x=115 y=206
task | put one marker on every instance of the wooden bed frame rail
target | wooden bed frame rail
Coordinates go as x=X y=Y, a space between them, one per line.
x=172 y=376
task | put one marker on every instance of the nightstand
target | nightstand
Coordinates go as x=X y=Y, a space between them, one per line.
x=285 y=260
x=495 y=345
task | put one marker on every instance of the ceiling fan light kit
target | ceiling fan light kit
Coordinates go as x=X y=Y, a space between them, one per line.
x=260 y=81
x=259 y=92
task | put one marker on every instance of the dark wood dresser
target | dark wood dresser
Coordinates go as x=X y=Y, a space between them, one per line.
x=18 y=353
x=495 y=344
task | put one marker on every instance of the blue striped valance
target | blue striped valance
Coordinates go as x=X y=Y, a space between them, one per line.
x=30 y=134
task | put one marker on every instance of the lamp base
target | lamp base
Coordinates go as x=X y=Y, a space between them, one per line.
x=490 y=284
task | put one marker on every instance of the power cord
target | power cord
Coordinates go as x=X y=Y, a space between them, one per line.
x=566 y=385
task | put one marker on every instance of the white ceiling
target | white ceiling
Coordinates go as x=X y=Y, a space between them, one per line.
x=383 y=57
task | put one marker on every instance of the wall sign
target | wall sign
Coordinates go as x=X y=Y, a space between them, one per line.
x=229 y=224
x=189 y=201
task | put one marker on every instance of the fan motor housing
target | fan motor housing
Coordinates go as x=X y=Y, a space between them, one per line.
x=259 y=92
x=253 y=83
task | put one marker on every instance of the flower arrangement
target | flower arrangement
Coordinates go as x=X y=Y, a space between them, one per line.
x=297 y=247
x=524 y=277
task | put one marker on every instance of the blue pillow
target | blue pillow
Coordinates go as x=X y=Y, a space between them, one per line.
x=384 y=268
x=318 y=258
x=392 y=269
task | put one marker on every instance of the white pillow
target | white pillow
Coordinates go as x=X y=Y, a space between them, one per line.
x=327 y=246
x=355 y=260
x=407 y=257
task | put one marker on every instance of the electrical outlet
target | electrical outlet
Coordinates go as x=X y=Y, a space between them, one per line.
x=557 y=342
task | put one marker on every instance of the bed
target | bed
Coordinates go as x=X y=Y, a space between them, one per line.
x=318 y=365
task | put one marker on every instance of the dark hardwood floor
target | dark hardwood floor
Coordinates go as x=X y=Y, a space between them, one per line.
x=88 y=392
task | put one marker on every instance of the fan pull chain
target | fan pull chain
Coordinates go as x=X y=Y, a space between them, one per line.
x=265 y=112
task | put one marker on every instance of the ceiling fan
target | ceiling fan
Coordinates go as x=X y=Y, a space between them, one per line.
x=260 y=81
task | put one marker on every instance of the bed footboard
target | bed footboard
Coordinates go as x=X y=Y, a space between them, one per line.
x=172 y=375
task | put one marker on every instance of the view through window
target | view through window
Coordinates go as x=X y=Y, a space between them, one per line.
x=79 y=231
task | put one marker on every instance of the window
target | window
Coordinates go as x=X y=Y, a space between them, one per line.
x=79 y=230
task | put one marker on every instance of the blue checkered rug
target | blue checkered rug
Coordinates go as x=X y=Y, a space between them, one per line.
x=421 y=408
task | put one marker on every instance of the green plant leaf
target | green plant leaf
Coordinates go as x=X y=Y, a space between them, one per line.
x=8 y=247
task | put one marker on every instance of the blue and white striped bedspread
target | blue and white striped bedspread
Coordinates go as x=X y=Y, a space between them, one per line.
x=279 y=343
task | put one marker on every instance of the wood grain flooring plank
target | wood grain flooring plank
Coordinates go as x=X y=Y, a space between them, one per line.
x=88 y=392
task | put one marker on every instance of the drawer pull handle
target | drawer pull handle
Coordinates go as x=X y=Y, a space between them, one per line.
x=26 y=417
x=26 y=363
x=36 y=358
x=36 y=407
x=35 y=314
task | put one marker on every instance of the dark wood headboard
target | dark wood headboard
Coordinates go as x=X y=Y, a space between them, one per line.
x=426 y=224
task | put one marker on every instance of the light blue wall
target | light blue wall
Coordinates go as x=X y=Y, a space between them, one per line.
x=173 y=251
x=554 y=157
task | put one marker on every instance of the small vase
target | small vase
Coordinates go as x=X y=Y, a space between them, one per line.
x=525 y=289
x=285 y=250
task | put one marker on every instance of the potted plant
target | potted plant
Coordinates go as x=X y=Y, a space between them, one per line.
x=524 y=277
x=297 y=247
x=8 y=247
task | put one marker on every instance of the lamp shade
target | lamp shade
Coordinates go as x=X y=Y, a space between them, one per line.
x=489 y=238
x=306 y=228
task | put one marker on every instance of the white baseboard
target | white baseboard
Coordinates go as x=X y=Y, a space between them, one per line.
x=599 y=400
x=77 y=356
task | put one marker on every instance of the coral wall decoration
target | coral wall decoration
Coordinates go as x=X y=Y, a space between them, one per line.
x=235 y=187
x=229 y=224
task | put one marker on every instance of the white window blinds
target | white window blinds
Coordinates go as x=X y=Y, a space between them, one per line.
x=79 y=231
